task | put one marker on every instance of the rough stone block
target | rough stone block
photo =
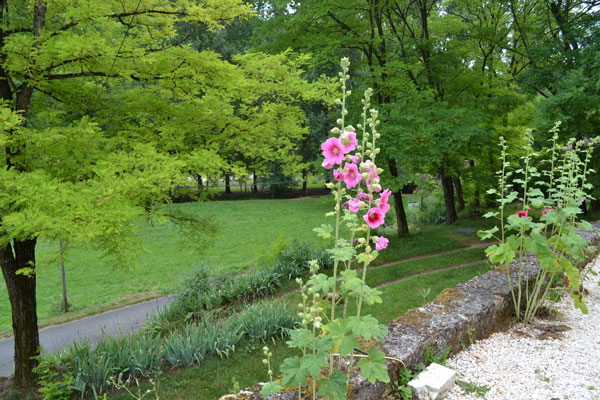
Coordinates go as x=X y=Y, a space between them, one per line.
x=433 y=383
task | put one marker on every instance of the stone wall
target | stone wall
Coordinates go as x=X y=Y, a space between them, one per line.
x=460 y=315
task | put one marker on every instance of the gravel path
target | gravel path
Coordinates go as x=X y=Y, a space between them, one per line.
x=548 y=360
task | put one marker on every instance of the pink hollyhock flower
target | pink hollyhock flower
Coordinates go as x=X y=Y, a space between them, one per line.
x=365 y=196
x=327 y=164
x=547 y=210
x=354 y=205
x=373 y=175
x=338 y=175
x=353 y=177
x=381 y=243
x=355 y=159
x=522 y=214
x=382 y=203
x=374 y=217
x=333 y=150
x=349 y=141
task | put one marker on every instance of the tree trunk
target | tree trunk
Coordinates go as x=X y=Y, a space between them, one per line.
x=227 y=184
x=254 y=185
x=448 y=188
x=21 y=293
x=400 y=214
x=304 y=182
x=459 y=193
x=398 y=204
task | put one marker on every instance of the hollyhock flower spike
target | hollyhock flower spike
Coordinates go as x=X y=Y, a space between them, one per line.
x=352 y=177
x=353 y=205
x=522 y=214
x=381 y=243
x=382 y=203
x=349 y=141
x=333 y=150
x=374 y=218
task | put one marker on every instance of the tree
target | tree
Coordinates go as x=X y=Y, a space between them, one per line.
x=104 y=110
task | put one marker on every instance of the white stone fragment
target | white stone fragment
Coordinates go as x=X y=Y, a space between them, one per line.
x=433 y=383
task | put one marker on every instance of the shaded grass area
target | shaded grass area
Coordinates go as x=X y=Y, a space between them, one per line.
x=244 y=368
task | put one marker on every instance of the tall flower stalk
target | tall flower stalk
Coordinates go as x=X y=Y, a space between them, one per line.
x=551 y=238
x=324 y=336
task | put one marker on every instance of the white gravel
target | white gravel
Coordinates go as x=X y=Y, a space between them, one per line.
x=517 y=365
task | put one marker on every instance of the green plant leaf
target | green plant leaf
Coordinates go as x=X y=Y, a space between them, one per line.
x=294 y=372
x=324 y=231
x=491 y=214
x=373 y=368
x=321 y=282
x=271 y=388
x=312 y=364
x=487 y=234
x=300 y=338
x=341 y=334
x=367 y=327
x=334 y=386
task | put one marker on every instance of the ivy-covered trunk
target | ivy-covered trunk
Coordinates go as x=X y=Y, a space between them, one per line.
x=448 y=187
x=21 y=293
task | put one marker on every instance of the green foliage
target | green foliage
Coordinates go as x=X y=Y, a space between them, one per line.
x=319 y=340
x=129 y=358
x=205 y=293
x=558 y=191
x=53 y=385
x=471 y=387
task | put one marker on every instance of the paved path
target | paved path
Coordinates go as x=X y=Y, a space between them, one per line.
x=111 y=323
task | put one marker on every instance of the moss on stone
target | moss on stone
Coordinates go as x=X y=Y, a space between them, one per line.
x=413 y=317
x=449 y=295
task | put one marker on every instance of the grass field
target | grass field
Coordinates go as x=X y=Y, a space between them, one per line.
x=248 y=229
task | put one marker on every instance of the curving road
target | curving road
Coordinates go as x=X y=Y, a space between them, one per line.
x=110 y=323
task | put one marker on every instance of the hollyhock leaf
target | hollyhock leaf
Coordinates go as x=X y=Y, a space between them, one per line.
x=373 y=368
x=313 y=363
x=300 y=338
x=367 y=327
x=324 y=231
x=487 y=234
x=271 y=388
x=491 y=214
x=294 y=372
x=334 y=386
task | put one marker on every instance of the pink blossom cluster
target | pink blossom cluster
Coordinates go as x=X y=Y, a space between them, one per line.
x=335 y=152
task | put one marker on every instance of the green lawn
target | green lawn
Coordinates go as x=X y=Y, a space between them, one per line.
x=247 y=229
